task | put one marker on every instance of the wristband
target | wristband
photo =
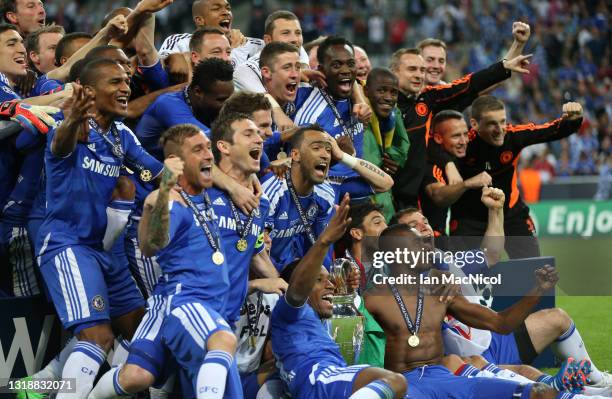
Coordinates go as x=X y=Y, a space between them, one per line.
x=349 y=160
x=272 y=101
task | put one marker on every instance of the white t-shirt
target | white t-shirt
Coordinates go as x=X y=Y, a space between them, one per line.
x=179 y=43
x=247 y=76
x=248 y=358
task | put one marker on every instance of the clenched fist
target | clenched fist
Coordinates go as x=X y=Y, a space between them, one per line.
x=493 y=198
x=572 y=111
x=521 y=31
x=173 y=169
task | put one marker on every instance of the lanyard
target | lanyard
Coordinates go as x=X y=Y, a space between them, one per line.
x=413 y=328
x=212 y=240
x=117 y=150
x=300 y=210
x=243 y=229
x=332 y=105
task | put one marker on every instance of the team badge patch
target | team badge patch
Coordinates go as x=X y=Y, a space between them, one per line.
x=421 y=109
x=97 y=302
x=312 y=211
x=506 y=157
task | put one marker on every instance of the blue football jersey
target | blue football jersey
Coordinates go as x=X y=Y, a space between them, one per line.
x=21 y=198
x=289 y=238
x=311 y=107
x=167 y=110
x=154 y=76
x=9 y=163
x=299 y=340
x=6 y=90
x=79 y=187
x=238 y=261
x=187 y=262
x=44 y=85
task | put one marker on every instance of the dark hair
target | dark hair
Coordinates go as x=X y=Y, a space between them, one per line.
x=199 y=35
x=485 y=104
x=172 y=139
x=406 y=211
x=65 y=43
x=210 y=71
x=298 y=136
x=245 y=102
x=222 y=130
x=7 y=6
x=395 y=57
x=332 y=41
x=32 y=40
x=90 y=73
x=76 y=68
x=274 y=49
x=5 y=27
x=358 y=213
x=394 y=230
x=376 y=73
x=443 y=116
x=98 y=51
x=280 y=14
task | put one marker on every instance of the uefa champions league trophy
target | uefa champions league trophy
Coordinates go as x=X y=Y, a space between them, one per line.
x=347 y=323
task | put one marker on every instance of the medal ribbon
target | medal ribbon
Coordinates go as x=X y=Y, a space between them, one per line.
x=212 y=240
x=294 y=195
x=116 y=147
x=413 y=328
x=243 y=230
x=330 y=102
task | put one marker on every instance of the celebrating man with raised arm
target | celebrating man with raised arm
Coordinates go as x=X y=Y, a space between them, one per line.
x=311 y=363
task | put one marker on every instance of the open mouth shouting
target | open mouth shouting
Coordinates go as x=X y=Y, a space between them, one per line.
x=21 y=61
x=320 y=170
x=206 y=171
x=328 y=298
x=122 y=100
x=225 y=24
x=255 y=153
x=291 y=89
x=345 y=86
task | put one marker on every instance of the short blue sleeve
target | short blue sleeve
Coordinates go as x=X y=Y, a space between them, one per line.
x=155 y=76
x=285 y=312
x=138 y=155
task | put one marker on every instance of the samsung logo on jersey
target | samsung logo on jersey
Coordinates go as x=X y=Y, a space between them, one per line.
x=98 y=167
x=286 y=233
x=230 y=224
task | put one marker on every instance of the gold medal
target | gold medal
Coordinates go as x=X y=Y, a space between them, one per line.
x=281 y=155
x=242 y=245
x=218 y=258
x=413 y=341
x=252 y=341
x=146 y=175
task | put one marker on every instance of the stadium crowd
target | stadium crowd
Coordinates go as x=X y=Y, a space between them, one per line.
x=185 y=208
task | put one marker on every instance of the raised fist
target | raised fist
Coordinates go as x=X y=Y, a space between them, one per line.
x=572 y=111
x=493 y=198
x=521 y=31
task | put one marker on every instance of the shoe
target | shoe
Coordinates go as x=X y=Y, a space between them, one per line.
x=606 y=380
x=583 y=371
x=25 y=394
x=565 y=379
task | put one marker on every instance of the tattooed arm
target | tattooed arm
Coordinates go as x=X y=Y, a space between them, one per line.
x=154 y=225
x=372 y=174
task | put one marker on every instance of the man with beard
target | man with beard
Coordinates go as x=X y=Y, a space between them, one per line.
x=302 y=203
x=310 y=361
x=80 y=166
x=414 y=344
x=385 y=142
x=419 y=104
